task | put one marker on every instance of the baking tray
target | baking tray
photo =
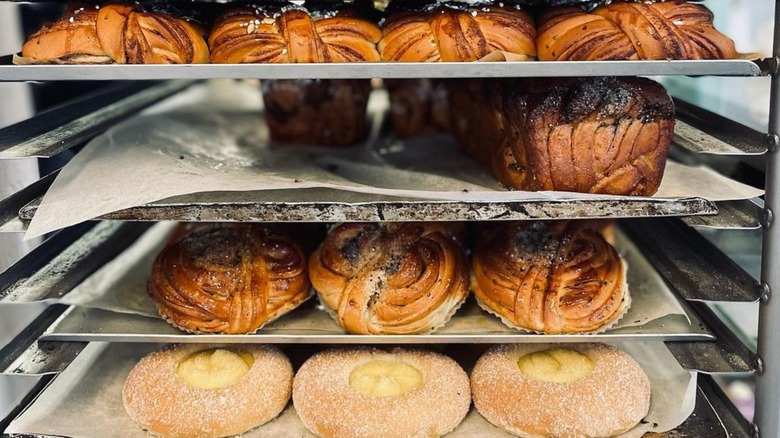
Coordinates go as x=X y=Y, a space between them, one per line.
x=735 y=67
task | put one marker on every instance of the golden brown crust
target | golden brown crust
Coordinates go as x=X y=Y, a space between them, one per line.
x=161 y=402
x=329 y=407
x=395 y=278
x=118 y=33
x=251 y=34
x=229 y=279
x=665 y=30
x=445 y=34
x=611 y=400
x=551 y=277
x=594 y=135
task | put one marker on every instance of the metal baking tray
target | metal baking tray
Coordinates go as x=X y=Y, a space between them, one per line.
x=735 y=67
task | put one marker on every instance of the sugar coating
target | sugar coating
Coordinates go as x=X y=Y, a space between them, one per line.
x=164 y=404
x=612 y=399
x=329 y=407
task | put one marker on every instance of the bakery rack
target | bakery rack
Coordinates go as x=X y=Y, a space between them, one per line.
x=665 y=231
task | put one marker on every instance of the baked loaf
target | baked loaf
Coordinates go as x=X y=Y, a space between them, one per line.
x=549 y=276
x=366 y=392
x=560 y=391
x=394 y=278
x=594 y=135
x=451 y=34
x=255 y=34
x=418 y=106
x=229 y=278
x=666 y=30
x=204 y=391
x=318 y=112
x=119 y=34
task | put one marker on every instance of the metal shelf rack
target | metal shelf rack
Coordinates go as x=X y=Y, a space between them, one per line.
x=698 y=273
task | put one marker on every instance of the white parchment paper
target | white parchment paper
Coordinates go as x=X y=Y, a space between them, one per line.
x=85 y=400
x=120 y=286
x=212 y=138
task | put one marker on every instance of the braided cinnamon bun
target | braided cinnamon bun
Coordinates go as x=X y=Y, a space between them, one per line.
x=229 y=278
x=395 y=278
x=549 y=276
x=254 y=34
x=667 y=30
x=451 y=34
x=119 y=34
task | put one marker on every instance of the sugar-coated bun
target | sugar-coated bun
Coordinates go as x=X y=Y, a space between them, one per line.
x=366 y=392
x=204 y=391
x=561 y=391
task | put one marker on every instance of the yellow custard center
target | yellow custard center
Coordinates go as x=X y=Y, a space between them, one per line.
x=559 y=365
x=381 y=378
x=211 y=369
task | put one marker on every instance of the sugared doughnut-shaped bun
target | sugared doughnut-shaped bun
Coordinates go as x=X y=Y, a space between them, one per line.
x=562 y=391
x=367 y=392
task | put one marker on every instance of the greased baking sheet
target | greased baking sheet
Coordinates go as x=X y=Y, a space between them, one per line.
x=85 y=400
x=212 y=138
x=112 y=305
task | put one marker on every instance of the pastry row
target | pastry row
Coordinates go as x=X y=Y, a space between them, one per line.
x=391 y=278
x=572 y=390
x=409 y=31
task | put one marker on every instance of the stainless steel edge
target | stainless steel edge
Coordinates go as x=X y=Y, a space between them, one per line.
x=726 y=354
x=702 y=131
x=53 y=131
x=26 y=401
x=12 y=205
x=690 y=264
x=20 y=73
x=732 y=215
x=65 y=259
x=767 y=418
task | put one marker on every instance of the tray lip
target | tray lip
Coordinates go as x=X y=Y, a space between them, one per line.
x=368 y=70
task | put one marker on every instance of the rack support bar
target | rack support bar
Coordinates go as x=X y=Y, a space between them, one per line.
x=767 y=417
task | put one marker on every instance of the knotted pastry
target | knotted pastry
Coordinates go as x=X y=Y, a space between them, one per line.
x=229 y=278
x=253 y=34
x=117 y=34
x=418 y=106
x=395 y=278
x=451 y=34
x=549 y=276
x=593 y=135
x=666 y=30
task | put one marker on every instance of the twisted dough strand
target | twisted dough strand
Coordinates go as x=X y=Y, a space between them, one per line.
x=666 y=30
x=229 y=279
x=555 y=277
x=390 y=279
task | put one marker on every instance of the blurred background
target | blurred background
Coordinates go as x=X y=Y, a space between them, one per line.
x=748 y=22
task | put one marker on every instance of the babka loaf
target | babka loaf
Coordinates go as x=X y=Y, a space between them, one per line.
x=593 y=135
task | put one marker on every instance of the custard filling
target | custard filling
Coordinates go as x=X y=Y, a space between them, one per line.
x=216 y=368
x=380 y=378
x=558 y=365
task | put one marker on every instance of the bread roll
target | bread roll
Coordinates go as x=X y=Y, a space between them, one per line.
x=549 y=276
x=229 y=278
x=666 y=30
x=592 y=135
x=393 y=278
x=418 y=106
x=270 y=34
x=452 y=33
x=205 y=391
x=113 y=33
x=561 y=390
x=367 y=392
x=317 y=112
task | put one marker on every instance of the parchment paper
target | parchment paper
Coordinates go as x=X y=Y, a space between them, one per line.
x=120 y=286
x=85 y=400
x=212 y=138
